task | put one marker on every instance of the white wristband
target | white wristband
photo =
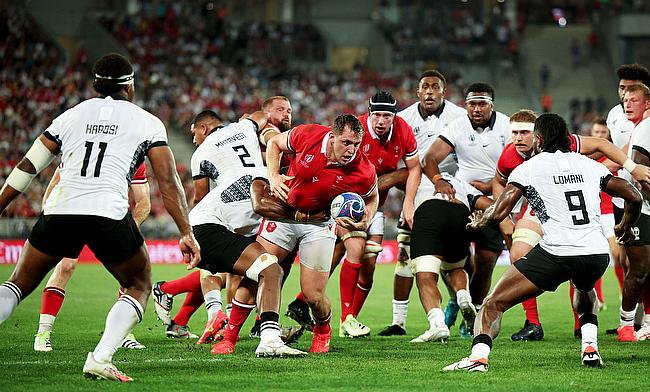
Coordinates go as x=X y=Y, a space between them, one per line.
x=629 y=165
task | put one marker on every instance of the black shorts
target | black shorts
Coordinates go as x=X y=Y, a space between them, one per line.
x=220 y=247
x=439 y=229
x=548 y=271
x=112 y=241
x=641 y=228
x=489 y=238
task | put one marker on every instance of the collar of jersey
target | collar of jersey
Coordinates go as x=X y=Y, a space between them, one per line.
x=490 y=124
x=437 y=113
x=372 y=132
x=323 y=150
x=117 y=97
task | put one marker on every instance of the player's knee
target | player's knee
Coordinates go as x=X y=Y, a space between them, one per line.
x=426 y=264
x=372 y=249
x=265 y=266
x=67 y=266
x=404 y=269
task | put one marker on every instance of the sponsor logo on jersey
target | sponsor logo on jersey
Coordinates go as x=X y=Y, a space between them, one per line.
x=339 y=178
x=314 y=179
x=309 y=158
x=271 y=226
x=380 y=160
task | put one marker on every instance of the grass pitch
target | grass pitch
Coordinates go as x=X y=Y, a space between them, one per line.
x=373 y=363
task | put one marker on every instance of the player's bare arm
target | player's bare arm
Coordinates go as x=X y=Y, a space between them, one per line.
x=56 y=177
x=484 y=187
x=500 y=209
x=371 y=202
x=164 y=166
x=201 y=188
x=438 y=151
x=412 y=185
x=269 y=206
x=277 y=145
x=590 y=145
x=38 y=157
x=142 y=202
x=395 y=178
x=618 y=187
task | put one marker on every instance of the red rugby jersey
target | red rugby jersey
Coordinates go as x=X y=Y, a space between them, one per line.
x=316 y=183
x=511 y=158
x=140 y=176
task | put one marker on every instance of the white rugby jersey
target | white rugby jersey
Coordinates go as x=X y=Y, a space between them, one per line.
x=464 y=191
x=563 y=189
x=477 y=152
x=103 y=142
x=231 y=157
x=427 y=130
x=640 y=141
x=620 y=128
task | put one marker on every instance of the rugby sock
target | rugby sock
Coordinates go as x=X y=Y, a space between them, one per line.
x=191 y=282
x=530 y=307
x=323 y=326
x=193 y=301
x=620 y=275
x=627 y=317
x=212 y=302
x=121 y=319
x=463 y=296
x=50 y=305
x=481 y=346
x=360 y=295
x=589 y=329
x=270 y=327
x=349 y=277
x=599 y=290
x=10 y=296
x=400 y=311
x=228 y=309
x=301 y=297
x=238 y=316
x=436 y=318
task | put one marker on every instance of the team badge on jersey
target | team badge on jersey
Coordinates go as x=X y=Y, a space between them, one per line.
x=271 y=226
x=366 y=149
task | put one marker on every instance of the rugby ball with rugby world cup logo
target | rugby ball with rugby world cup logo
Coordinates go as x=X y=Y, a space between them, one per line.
x=348 y=205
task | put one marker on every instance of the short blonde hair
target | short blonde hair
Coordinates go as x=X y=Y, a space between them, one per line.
x=268 y=101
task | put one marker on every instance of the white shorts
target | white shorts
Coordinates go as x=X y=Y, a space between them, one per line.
x=316 y=241
x=607 y=223
x=376 y=226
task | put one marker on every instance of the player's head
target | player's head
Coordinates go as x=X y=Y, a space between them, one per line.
x=431 y=90
x=521 y=127
x=279 y=109
x=479 y=99
x=629 y=74
x=636 y=100
x=382 y=107
x=203 y=124
x=599 y=128
x=113 y=74
x=551 y=133
x=345 y=138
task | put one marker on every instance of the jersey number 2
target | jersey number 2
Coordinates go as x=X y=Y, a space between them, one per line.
x=243 y=155
x=570 y=197
x=100 y=158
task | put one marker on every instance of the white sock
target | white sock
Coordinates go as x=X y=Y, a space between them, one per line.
x=212 y=302
x=436 y=318
x=646 y=319
x=10 y=296
x=228 y=309
x=480 y=350
x=269 y=327
x=589 y=335
x=122 y=317
x=46 y=323
x=627 y=317
x=463 y=297
x=400 y=311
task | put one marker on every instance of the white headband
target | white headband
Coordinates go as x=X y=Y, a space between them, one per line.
x=478 y=98
x=124 y=79
x=521 y=126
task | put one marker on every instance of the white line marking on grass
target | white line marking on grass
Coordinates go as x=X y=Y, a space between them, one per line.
x=159 y=360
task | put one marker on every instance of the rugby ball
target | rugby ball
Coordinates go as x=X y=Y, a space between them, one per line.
x=348 y=205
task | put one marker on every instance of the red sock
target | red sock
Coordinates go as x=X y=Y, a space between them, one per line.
x=323 y=327
x=599 y=290
x=360 y=295
x=52 y=300
x=193 y=301
x=576 y=319
x=238 y=316
x=530 y=307
x=191 y=282
x=645 y=297
x=349 y=276
x=301 y=297
x=120 y=292
x=620 y=276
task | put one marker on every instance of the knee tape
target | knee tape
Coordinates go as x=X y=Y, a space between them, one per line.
x=445 y=266
x=260 y=264
x=404 y=269
x=372 y=249
x=527 y=236
x=426 y=263
x=351 y=234
x=404 y=236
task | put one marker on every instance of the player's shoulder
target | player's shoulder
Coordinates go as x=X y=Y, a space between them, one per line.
x=510 y=156
x=409 y=111
x=502 y=120
x=402 y=127
x=460 y=122
x=452 y=110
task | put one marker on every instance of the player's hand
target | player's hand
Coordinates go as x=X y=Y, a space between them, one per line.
x=641 y=173
x=349 y=224
x=445 y=189
x=321 y=216
x=278 y=186
x=507 y=227
x=484 y=187
x=624 y=235
x=191 y=250
x=475 y=220
x=408 y=210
